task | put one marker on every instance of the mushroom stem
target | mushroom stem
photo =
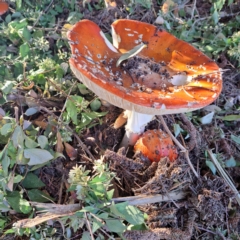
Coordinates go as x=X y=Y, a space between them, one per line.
x=135 y=126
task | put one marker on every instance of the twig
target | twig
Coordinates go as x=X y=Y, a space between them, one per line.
x=16 y=113
x=147 y=199
x=65 y=104
x=82 y=145
x=89 y=227
x=52 y=211
x=183 y=149
x=60 y=190
x=193 y=9
x=167 y=193
x=106 y=234
x=209 y=231
x=196 y=21
x=224 y=175
x=192 y=132
x=44 y=11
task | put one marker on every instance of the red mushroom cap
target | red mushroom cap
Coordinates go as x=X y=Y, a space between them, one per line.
x=169 y=76
x=3 y=7
x=156 y=144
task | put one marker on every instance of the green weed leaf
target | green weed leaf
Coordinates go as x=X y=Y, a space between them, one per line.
x=86 y=236
x=95 y=104
x=37 y=156
x=72 y=111
x=133 y=52
x=74 y=17
x=32 y=181
x=207 y=119
x=17 y=179
x=7 y=87
x=19 y=4
x=96 y=225
x=42 y=141
x=211 y=166
x=88 y=209
x=177 y=129
x=6 y=128
x=31 y=111
x=25 y=33
x=17 y=203
x=139 y=227
x=115 y=225
x=29 y=143
x=85 y=120
x=24 y=206
x=24 y=50
x=18 y=137
x=36 y=195
x=230 y=118
x=215 y=17
x=83 y=89
x=236 y=139
x=130 y=213
x=5 y=163
x=231 y=162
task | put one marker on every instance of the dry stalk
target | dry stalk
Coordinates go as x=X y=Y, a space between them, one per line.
x=53 y=211
x=89 y=226
x=147 y=199
x=223 y=173
x=183 y=149
x=165 y=233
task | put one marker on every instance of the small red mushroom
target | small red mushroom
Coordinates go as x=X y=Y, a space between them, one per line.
x=3 y=7
x=156 y=144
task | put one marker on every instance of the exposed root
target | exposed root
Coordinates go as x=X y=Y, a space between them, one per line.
x=195 y=141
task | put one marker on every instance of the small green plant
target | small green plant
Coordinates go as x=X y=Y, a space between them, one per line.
x=209 y=34
x=99 y=217
x=95 y=193
x=234 y=48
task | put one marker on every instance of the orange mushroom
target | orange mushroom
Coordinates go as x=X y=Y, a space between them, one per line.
x=156 y=144
x=167 y=76
x=3 y=7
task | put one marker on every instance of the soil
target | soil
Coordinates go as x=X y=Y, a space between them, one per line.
x=208 y=208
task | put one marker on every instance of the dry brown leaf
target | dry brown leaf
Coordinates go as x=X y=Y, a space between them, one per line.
x=29 y=87
x=110 y=4
x=100 y=137
x=60 y=211
x=71 y=151
x=66 y=27
x=41 y=124
x=59 y=146
x=10 y=182
x=167 y=5
x=32 y=94
x=120 y=121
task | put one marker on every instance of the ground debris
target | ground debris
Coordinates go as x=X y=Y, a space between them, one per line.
x=211 y=199
x=116 y=160
x=165 y=233
x=166 y=176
